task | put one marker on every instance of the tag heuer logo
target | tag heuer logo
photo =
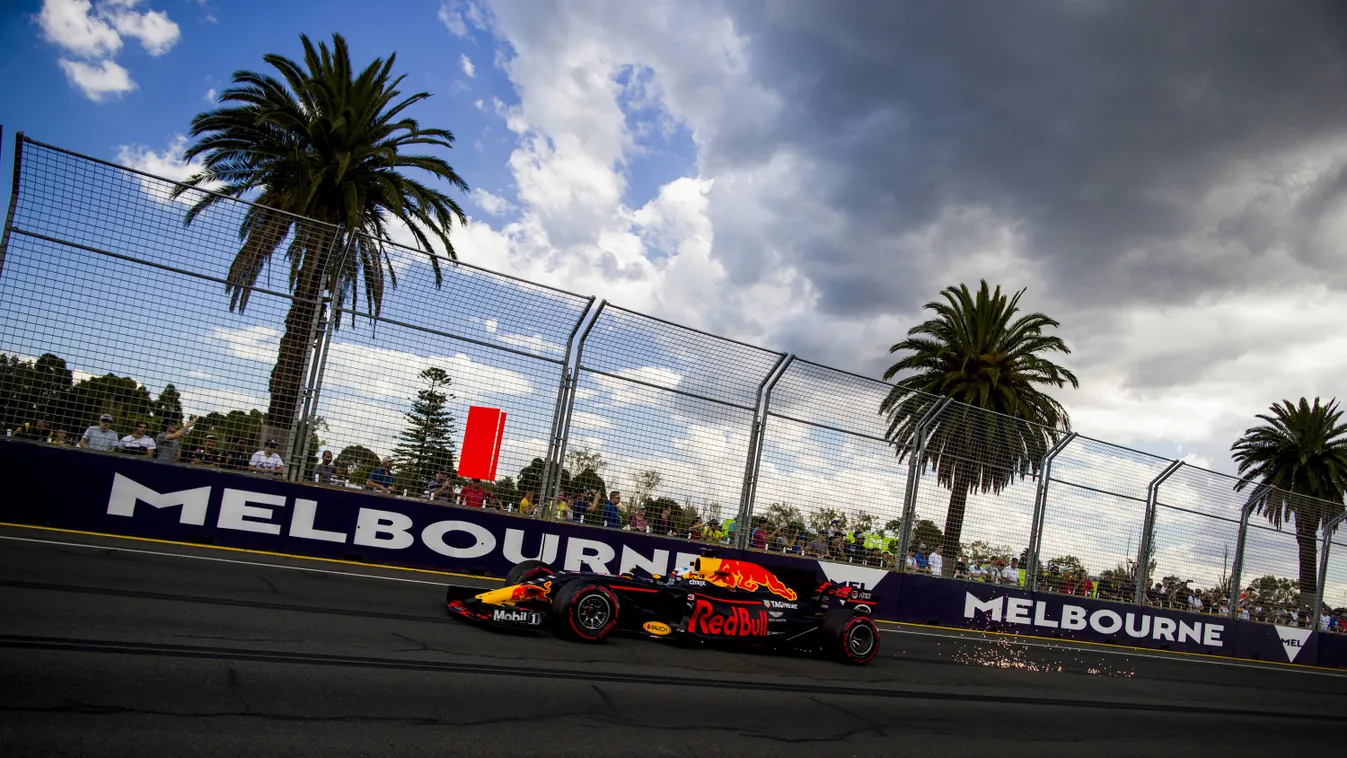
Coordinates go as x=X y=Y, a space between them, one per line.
x=1293 y=640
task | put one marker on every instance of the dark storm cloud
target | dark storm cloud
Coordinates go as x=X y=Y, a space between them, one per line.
x=1097 y=126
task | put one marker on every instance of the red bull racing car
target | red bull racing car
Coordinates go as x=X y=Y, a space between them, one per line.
x=714 y=601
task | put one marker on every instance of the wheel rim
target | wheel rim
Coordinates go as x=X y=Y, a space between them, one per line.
x=860 y=640
x=593 y=612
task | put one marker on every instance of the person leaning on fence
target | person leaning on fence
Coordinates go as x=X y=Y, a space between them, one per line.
x=38 y=431
x=380 y=479
x=439 y=487
x=324 y=471
x=169 y=441
x=207 y=454
x=472 y=495
x=612 y=516
x=561 y=509
x=267 y=460
x=138 y=442
x=101 y=436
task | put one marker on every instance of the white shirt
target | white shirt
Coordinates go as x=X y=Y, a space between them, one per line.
x=935 y=562
x=145 y=442
x=266 y=461
x=100 y=439
x=1011 y=574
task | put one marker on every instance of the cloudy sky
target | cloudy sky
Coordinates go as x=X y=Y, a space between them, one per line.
x=1166 y=180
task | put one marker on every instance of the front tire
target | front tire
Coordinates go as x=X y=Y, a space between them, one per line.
x=851 y=637
x=585 y=611
x=526 y=570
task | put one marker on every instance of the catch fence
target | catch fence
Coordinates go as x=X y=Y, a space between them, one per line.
x=111 y=304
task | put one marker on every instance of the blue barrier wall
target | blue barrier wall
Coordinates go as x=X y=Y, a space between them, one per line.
x=97 y=492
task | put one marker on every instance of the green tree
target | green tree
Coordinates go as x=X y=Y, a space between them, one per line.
x=359 y=461
x=821 y=520
x=31 y=390
x=926 y=535
x=122 y=397
x=978 y=351
x=862 y=522
x=785 y=517
x=583 y=458
x=323 y=143
x=1273 y=590
x=427 y=444
x=587 y=479
x=1301 y=450
x=643 y=485
x=167 y=407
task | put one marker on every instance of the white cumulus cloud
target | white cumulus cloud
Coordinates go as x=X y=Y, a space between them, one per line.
x=94 y=31
x=466 y=64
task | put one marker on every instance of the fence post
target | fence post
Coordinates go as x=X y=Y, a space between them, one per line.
x=552 y=466
x=299 y=429
x=564 y=427
x=1040 y=506
x=762 y=400
x=13 y=199
x=914 y=468
x=1144 y=552
x=1237 y=566
x=1323 y=568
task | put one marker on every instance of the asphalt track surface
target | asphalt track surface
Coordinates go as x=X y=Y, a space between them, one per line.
x=114 y=647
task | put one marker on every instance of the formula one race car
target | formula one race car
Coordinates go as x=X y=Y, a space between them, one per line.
x=714 y=601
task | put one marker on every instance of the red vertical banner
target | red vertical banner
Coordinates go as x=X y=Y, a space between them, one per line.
x=481 y=443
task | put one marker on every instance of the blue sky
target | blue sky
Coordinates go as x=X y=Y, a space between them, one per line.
x=804 y=176
x=215 y=39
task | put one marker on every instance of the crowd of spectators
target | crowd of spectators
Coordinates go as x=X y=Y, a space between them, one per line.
x=596 y=508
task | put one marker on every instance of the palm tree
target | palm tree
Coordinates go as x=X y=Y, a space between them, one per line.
x=980 y=352
x=1301 y=451
x=322 y=153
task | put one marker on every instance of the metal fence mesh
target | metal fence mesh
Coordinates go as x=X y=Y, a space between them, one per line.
x=111 y=304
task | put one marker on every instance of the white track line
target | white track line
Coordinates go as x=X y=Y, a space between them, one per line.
x=1065 y=645
x=224 y=560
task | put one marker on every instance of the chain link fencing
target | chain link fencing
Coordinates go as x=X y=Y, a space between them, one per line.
x=111 y=304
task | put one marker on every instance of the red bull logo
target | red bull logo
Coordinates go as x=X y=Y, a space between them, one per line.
x=724 y=572
x=737 y=622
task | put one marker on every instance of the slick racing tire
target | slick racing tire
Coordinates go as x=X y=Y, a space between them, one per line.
x=526 y=570
x=585 y=611
x=850 y=637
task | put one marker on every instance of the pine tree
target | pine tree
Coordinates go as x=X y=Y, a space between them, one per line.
x=427 y=444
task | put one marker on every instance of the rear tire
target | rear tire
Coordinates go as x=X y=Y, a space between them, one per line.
x=526 y=570
x=850 y=637
x=585 y=611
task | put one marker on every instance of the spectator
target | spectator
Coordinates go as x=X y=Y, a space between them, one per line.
x=342 y=477
x=167 y=444
x=207 y=455
x=267 y=460
x=561 y=510
x=324 y=471
x=58 y=438
x=637 y=522
x=526 y=505
x=798 y=547
x=38 y=431
x=236 y=459
x=817 y=547
x=757 y=539
x=138 y=442
x=381 y=478
x=1010 y=574
x=660 y=519
x=473 y=496
x=101 y=437
x=975 y=571
x=935 y=561
x=439 y=487
x=612 y=517
x=923 y=565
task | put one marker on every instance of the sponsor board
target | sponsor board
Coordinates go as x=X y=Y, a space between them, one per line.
x=1052 y=614
x=1293 y=639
